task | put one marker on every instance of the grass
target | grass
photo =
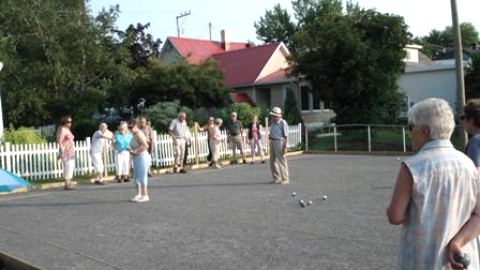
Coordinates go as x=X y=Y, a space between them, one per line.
x=355 y=138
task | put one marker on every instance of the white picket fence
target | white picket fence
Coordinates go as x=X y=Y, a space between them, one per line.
x=39 y=161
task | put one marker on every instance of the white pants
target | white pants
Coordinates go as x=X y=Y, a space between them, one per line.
x=215 y=149
x=179 y=145
x=122 y=163
x=97 y=161
x=68 y=167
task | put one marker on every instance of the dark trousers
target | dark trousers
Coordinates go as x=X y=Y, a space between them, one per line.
x=209 y=157
x=186 y=154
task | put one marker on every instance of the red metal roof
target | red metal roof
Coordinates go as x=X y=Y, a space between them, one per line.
x=241 y=98
x=278 y=76
x=196 y=50
x=242 y=67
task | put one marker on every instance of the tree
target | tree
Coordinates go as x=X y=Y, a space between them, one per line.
x=352 y=62
x=276 y=26
x=59 y=60
x=472 y=79
x=292 y=114
x=438 y=43
x=142 y=46
x=195 y=86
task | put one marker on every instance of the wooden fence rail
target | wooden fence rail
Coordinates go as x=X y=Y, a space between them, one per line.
x=40 y=162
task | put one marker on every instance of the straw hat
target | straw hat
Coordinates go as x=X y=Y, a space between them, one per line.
x=276 y=111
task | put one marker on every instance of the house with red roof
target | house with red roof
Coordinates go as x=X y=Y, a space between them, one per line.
x=257 y=74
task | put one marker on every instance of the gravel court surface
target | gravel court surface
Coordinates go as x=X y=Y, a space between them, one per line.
x=231 y=218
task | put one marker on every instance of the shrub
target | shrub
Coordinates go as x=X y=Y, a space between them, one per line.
x=22 y=135
x=245 y=112
x=161 y=114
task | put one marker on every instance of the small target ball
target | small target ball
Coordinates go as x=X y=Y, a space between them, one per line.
x=398 y=158
x=324 y=197
x=294 y=194
x=302 y=203
x=310 y=202
x=463 y=260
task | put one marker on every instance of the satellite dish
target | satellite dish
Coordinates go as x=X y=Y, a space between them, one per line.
x=1 y=66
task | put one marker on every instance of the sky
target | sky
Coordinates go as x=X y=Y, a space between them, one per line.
x=238 y=17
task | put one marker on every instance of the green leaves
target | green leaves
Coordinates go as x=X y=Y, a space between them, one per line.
x=352 y=61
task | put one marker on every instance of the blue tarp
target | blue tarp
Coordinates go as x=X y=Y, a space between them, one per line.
x=9 y=181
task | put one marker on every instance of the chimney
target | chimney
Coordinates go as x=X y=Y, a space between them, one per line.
x=224 y=36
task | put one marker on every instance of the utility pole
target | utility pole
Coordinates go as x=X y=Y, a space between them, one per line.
x=210 y=30
x=459 y=70
x=180 y=16
x=1 y=112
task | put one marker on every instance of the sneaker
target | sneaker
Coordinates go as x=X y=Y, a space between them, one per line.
x=263 y=161
x=143 y=199
x=233 y=162
x=216 y=166
x=136 y=198
x=99 y=182
x=244 y=161
x=69 y=187
x=182 y=171
x=175 y=170
x=285 y=182
x=277 y=181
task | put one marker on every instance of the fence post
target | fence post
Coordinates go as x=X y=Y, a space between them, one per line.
x=369 y=134
x=306 y=139
x=335 y=138
x=197 y=148
x=8 y=156
x=404 y=140
x=267 y=133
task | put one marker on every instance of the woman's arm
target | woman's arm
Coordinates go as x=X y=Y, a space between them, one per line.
x=469 y=231
x=402 y=193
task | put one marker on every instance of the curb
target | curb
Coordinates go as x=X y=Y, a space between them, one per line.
x=155 y=172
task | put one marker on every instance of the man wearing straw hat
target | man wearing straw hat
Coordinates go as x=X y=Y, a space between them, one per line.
x=278 y=134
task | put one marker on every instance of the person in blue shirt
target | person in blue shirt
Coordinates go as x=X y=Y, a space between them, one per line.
x=471 y=123
x=121 y=142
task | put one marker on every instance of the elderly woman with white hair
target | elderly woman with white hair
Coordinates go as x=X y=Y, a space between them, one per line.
x=121 y=143
x=436 y=195
x=99 y=139
x=215 y=142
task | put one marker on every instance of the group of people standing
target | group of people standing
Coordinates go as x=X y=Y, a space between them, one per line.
x=278 y=135
x=133 y=145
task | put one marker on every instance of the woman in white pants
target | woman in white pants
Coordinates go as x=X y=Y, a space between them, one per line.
x=122 y=139
x=99 y=140
x=65 y=140
x=215 y=142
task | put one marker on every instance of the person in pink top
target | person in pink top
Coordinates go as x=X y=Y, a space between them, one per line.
x=65 y=140
x=255 y=138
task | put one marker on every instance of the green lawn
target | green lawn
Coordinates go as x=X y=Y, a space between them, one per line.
x=355 y=138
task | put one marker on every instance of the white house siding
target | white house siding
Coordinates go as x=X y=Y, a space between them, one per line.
x=277 y=61
x=423 y=82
